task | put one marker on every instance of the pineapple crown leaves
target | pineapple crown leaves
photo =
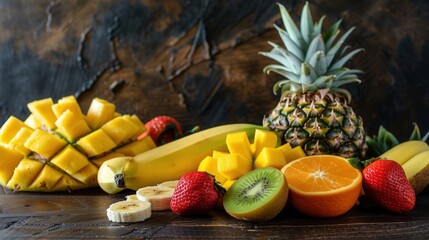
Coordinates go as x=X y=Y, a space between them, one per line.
x=311 y=59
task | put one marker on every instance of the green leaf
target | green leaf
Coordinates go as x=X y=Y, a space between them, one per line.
x=290 y=26
x=318 y=27
x=307 y=24
x=415 y=135
x=316 y=45
x=346 y=58
x=356 y=163
x=282 y=71
x=332 y=33
x=318 y=61
x=289 y=43
x=333 y=52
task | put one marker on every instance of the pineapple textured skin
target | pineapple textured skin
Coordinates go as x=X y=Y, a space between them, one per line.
x=319 y=124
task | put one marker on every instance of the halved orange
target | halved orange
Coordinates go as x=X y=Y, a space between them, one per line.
x=323 y=185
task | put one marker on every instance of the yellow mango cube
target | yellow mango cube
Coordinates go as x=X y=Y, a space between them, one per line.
x=264 y=138
x=44 y=144
x=72 y=125
x=234 y=165
x=42 y=110
x=8 y=162
x=10 y=128
x=219 y=154
x=285 y=148
x=137 y=147
x=87 y=175
x=70 y=160
x=67 y=183
x=294 y=154
x=33 y=122
x=209 y=164
x=119 y=129
x=270 y=157
x=25 y=173
x=100 y=112
x=100 y=160
x=17 y=142
x=96 y=143
x=227 y=184
x=67 y=103
x=238 y=143
x=47 y=178
x=138 y=126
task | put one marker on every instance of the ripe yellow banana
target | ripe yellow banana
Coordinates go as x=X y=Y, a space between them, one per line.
x=404 y=151
x=167 y=162
x=417 y=171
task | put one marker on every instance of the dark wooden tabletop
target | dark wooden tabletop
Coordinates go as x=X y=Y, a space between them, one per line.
x=82 y=215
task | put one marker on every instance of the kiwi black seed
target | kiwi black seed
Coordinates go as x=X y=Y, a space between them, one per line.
x=257 y=196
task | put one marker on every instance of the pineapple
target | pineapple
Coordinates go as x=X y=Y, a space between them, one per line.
x=59 y=148
x=313 y=111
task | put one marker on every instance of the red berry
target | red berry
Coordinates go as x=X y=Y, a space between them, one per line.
x=162 y=129
x=385 y=183
x=195 y=194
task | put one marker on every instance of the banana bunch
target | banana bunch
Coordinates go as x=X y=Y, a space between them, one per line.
x=59 y=148
x=167 y=162
x=413 y=155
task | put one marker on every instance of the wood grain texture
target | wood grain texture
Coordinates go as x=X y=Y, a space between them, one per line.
x=198 y=60
x=82 y=215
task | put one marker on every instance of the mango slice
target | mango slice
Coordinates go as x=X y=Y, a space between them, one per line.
x=238 y=143
x=100 y=112
x=8 y=162
x=96 y=143
x=210 y=164
x=264 y=138
x=42 y=110
x=234 y=165
x=71 y=125
x=62 y=160
x=44 y=144
x=10 y=128
x=270 y=157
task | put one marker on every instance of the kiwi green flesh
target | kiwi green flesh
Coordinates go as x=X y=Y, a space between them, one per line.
x=253 y=190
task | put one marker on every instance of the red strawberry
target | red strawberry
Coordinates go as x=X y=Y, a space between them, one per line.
x=196 y=193
x=162 y=129
x=385 y=183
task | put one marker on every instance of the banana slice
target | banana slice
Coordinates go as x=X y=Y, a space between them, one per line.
x=131 y=197
x=171 y=184
x=158 y=196
x=129 y=211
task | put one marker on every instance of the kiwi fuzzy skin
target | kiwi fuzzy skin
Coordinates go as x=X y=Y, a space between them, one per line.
x=267 y=211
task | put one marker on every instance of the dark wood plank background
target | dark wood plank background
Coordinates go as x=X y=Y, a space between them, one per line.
x=198 y=60
x=82 y=215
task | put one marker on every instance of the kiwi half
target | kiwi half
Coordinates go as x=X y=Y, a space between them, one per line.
x=259 y=195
